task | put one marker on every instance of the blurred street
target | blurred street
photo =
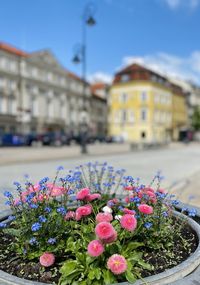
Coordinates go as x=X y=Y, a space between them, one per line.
x=180 y=165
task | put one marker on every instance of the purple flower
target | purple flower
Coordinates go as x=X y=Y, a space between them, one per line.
x=3 y=225
x=33 y=241
x=51 y=240
x=42 y=219
x=35 y=227
x=148 y=225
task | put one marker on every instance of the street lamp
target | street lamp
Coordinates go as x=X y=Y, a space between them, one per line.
x=80 y=57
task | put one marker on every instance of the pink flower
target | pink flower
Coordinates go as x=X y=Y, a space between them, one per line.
x=104 y=217
x=150 y=194
x=16 y=202
x=140 y=194
x=92 y=197
x=41 y=197
x=127 y=200
x=117 y=264
x=149 y=189
x=95 y=248
x=57 y=191
x=129 y=188
x=104 y=230
x=82 y=194
x=47 y=259
x=83 y=211
x=112 y=202
x=128 y=222
x=128 y=211
x=77 y=216
x=110 y=239
x=70 y=215
x=161 y=191
x=145 y=209
x=34 y=188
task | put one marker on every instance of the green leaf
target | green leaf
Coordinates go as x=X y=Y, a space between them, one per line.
x=91 y=274
x=97 y=273
x=12 y=232
x=133 y=245
x=109 y=278
x=144 y=265
x=130 y=276
x=68 y=267
x=136 y=256
x=89 y=260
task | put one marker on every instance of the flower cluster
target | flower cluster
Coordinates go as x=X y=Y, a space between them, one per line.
x=79 y=217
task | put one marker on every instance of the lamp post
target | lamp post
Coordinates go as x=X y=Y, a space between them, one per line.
x=80 y=56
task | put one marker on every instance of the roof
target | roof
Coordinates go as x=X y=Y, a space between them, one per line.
x=137 y=72
x=98 y=86
x=12 y=50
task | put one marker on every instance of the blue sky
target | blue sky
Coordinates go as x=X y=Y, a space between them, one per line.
x=162 y=34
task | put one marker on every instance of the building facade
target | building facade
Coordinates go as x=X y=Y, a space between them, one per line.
x=99 y=109
x=141 y=106
x=180 y=120
x=37 y=94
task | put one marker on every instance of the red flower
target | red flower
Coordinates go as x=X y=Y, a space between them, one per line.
x=104 y=230
x=145 y=209
x=47 y=259
x=128 y=222
x=82 y=194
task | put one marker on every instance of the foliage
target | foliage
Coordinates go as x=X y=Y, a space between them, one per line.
x=77 y=221
x=196 y=119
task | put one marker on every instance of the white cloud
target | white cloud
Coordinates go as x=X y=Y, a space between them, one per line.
x=187 y=68
x=175 y=4
x=100 y=76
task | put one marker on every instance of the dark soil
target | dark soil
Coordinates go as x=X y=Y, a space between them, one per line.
x=32 y=270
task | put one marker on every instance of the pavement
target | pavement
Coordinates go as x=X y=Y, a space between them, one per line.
x=16 y=155
x=179 y=163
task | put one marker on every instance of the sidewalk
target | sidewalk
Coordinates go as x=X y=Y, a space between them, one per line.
x=13 y=155
x=188 y=190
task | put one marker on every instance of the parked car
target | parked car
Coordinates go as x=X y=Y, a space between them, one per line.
x=12 y=140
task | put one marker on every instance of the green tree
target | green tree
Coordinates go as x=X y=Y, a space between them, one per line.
x=196 y=119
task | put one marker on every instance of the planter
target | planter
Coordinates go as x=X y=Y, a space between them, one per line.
x=167 y=277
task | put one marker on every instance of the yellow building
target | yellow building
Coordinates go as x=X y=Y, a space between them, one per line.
x=179 y=112
x=141 y=106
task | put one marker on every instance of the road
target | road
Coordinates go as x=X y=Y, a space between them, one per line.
x=176 y=163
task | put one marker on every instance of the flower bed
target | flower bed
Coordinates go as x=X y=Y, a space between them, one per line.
x=74 y=230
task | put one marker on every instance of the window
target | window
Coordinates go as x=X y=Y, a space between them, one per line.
x=143 y=135
x=123 y=116
x=124 y=97
x=116 y=117
x=11 y=105
x=12 y=85
x=13 y=66
x=156 y=98
x=156 y=116
x=125 y=78
x=143 y=96
x=34 y=72
x=2 y=82
x=1 y=104
x=49 y=76
x=131 y=116
x=143 y=114
x=3 y=63
x=34 y=106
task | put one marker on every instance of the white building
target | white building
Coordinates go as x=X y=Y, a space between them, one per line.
x=37 y=94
